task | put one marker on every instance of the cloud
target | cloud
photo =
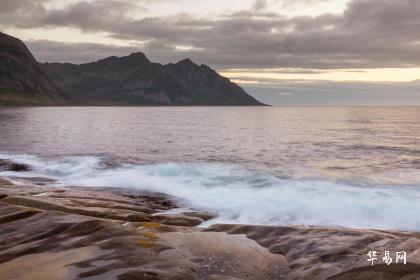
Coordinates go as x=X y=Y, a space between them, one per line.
x=285 y=93
x=260 y=5
x=51 y=51
x=368 y=34
x=11 y=6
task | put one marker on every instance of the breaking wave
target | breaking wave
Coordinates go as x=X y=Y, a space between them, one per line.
x=242 y=196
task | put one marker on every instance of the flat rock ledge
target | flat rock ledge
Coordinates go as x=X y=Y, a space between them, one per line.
x=51 y=233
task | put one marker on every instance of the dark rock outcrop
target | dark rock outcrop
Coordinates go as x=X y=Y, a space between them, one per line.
x=6 y=165
x=22 y=82
x=134 y=80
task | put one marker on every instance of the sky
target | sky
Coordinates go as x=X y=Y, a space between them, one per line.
x=284 y=52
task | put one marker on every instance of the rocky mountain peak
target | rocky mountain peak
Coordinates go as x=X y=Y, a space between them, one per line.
x=186 y=62
x=22 y=82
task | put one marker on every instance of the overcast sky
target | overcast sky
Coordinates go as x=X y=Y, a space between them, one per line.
x=290 y=52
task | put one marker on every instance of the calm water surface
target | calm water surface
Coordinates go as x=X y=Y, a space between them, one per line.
x=363 y=158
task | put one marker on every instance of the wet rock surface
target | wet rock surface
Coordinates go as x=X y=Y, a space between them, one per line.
x=77 y=233
x=38 y=231
x=335 y=253
x=6 y=165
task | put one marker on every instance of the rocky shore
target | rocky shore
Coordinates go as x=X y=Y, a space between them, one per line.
x=78 y=233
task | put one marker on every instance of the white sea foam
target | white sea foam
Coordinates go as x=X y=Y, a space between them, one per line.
x=242 y=196
x=54 y=168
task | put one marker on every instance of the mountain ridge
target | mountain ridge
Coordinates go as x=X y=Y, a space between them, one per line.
x=127 y=80
x=135 y=80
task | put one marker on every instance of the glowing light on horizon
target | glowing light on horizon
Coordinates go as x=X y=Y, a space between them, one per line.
x=338 y=75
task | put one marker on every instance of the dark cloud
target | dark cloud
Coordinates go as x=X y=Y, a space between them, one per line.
x=51 y=51
x=260 y=5
x=99 y=15
x=369 y=34
x=11 y=6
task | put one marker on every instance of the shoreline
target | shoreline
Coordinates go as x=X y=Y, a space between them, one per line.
x=117 y=234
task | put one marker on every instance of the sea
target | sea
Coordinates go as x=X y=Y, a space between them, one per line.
x=355 y=167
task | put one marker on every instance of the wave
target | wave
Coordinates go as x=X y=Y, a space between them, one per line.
x=240 y=195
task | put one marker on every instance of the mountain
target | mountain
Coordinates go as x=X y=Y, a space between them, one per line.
x=129 y=80
x=134 y=80
x=22 y=82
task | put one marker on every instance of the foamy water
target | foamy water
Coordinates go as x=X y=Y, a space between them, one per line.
x=240 y=195
x=332 y=166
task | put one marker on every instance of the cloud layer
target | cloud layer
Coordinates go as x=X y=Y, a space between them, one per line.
x=368 y=34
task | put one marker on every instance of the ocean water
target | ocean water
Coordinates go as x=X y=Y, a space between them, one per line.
x=330 y=166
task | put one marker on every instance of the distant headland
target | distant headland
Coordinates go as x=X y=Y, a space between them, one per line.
x=130 y=80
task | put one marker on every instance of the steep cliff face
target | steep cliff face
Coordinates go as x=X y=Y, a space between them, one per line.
x=22 y=82
x=134 y=80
